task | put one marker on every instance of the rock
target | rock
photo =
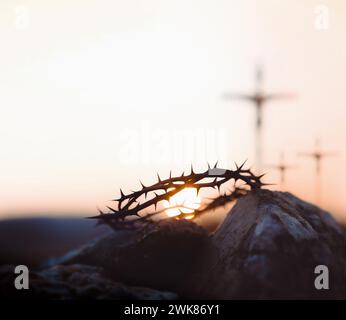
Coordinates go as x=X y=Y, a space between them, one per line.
x=268 y=247
x=161 y=256
x=75 y=282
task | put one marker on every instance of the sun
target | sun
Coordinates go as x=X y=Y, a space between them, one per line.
x=185 y=201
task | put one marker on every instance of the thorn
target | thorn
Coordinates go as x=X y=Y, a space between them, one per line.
x=113 y=210
x=121 y=193
x=242 y=165
x=158 y=177
x=182 y=175
x=170 y=174
x=143 y=186
x=215 y=181
x=216 y=164
x=261 y=176
x=268 y=184
x=192 y=169
x=94 y=217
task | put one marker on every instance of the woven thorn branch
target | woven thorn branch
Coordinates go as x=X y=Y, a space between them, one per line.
x=129 y=209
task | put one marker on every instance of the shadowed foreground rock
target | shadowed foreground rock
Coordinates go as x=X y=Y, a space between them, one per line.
x=163 y=256
x=75 y=282
x=267 y=248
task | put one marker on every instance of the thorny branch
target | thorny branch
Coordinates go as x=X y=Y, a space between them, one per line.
x=134 y=203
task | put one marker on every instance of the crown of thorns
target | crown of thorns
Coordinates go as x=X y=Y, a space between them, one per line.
x=134 y=203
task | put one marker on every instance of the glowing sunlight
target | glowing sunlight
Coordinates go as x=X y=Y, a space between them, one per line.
x=185 y=201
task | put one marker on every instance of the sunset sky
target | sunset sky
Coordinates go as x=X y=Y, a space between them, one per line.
x=97 y=94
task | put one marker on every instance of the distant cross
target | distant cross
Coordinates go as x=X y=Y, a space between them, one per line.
x=282 y=167
x=259 y=99
x=318 y=156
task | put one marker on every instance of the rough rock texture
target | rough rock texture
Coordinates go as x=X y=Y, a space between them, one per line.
x=162 y=256
x=269 y=246
x=75 y=282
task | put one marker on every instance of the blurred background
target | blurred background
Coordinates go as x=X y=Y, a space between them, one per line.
x=95 y=95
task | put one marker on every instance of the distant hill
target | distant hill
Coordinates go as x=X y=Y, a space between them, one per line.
x=32 y=241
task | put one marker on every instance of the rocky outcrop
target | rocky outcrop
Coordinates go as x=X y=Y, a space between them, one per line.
x=75 y=282
x=267 y=247
x=161 y=256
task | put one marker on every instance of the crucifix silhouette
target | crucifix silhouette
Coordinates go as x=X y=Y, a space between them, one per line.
x=282 y=167
x=317 y=155
x=258 y=99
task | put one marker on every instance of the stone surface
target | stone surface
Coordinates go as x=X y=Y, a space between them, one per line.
x=268 y=247
x=162 y=256
x=75 y=282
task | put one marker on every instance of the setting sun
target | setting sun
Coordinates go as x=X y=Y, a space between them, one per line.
x=185 y=201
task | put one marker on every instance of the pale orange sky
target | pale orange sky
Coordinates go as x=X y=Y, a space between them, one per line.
x=90 y=89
